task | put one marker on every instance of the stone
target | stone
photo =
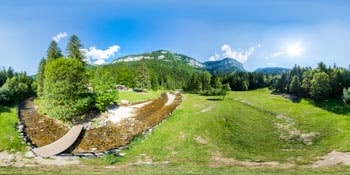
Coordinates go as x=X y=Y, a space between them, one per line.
x=29 y=154
x=124 y=102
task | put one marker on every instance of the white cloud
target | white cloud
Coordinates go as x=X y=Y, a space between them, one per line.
x=59 y=36
x=214 y=57
x=276 y=54
x=97 y=56
x=240 y=55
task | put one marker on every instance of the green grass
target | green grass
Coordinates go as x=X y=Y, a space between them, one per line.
x=9 y=137
x=249 y=132
x=135 y=97
x=242 y=127
x=171 y=170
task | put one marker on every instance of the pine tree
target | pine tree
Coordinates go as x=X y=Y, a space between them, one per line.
x=295 y=86
x=74 y=47
x=142 y=80
x=53 y=52
x=40 y=78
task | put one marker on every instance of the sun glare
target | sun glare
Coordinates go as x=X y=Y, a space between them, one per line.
x=294 y=49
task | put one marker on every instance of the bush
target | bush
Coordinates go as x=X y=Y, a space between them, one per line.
x=212 y=92
x=65 y=89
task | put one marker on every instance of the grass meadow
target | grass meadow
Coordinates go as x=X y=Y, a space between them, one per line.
x=207 y=135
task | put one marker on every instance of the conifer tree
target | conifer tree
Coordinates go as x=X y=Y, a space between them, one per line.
x=53 y=52
x=74 y=47
x=40 y=78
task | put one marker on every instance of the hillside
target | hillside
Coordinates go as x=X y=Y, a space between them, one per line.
x=277 y=132
x=272 y=70
x=226 y=65
x=163 y=55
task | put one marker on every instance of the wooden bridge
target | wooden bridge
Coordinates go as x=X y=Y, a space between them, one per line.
x=61 y=144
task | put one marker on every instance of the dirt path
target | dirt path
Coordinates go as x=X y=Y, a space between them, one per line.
x=333 y=158
x=29 y=160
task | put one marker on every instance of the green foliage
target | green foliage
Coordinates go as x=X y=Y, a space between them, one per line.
x=16 y=88
x=5 y=74
x=215 y=82
x=169 y=74
x=142 y=79
x=53 y=52
x=40 y=78
x=213 y=92
x=9 y=137
x=320 y=86
x=346 y=96
x=73 y=48
x=319 y=83
x=65 y=89
x=295 y=86
x=110 y=159
x=200 y=81
x=242 y=81
x=104 y=89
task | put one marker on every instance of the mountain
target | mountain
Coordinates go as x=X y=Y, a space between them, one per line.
x=226 y=65
x=163 y=55
x=272 y=70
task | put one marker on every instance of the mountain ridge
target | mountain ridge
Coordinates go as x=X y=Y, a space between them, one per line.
x=272 y=70
x=225 y=65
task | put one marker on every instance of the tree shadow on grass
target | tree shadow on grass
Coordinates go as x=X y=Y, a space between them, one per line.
x=336 y=106
x=4 y=109
x=214 y=99
x=293 y=98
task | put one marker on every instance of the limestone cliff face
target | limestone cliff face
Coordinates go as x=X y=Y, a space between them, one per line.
x=225 y=65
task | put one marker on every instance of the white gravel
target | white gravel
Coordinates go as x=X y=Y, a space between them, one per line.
x=119 y=113
x=171 y=98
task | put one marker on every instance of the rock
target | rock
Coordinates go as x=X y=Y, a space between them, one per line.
x=100 y=154
x=124 y=102
x=20 y=128
x=122 y=154
x=29 y=154
x=85 y=154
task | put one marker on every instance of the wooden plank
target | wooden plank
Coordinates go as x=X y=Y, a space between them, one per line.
x=61 y=144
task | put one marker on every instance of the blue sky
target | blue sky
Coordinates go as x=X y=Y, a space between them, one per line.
x=258 y=33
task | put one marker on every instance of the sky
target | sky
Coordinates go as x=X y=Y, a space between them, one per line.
x=258 y=33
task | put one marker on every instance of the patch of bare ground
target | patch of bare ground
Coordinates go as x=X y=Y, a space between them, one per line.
x=333 y=158
x=145 y=159
x=207 y=109
x=200 y=140
x=218 y=160
x=289 y=133
x=18 y=160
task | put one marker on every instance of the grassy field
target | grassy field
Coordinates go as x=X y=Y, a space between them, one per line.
x=243 y=127
x=206 y=135
x=170 y=170
x=9 y=137
x=136 y=97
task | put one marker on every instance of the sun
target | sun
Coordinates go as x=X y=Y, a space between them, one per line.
x=294 y=49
